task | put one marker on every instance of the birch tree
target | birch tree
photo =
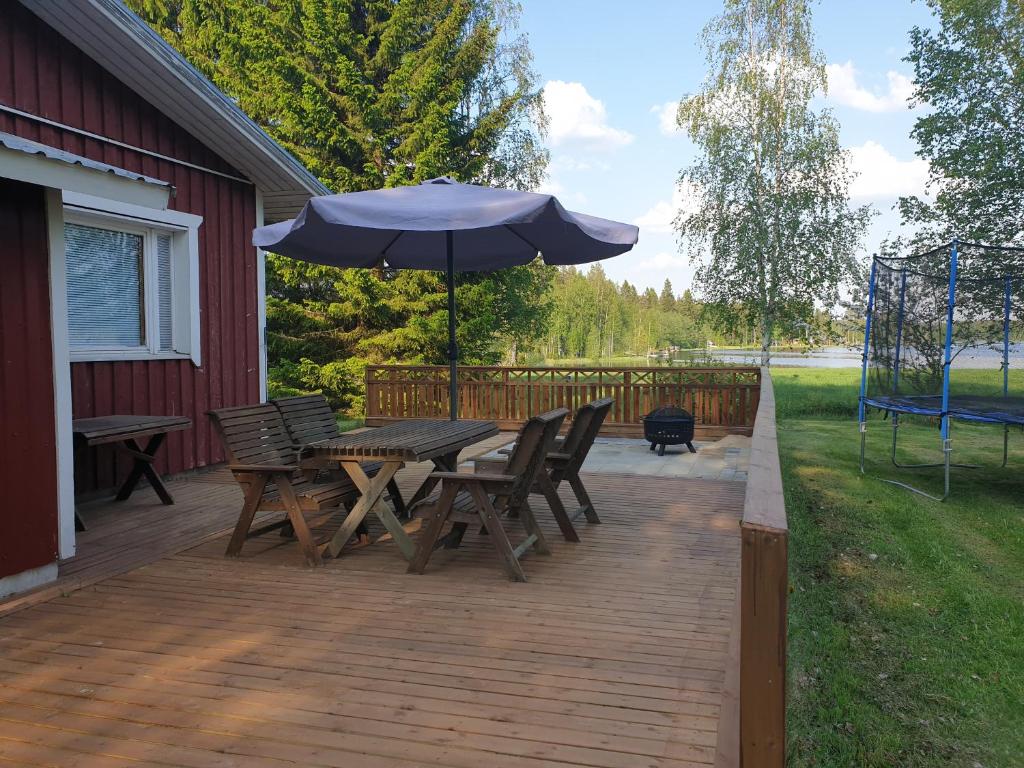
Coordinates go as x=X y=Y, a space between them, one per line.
x=771 y=228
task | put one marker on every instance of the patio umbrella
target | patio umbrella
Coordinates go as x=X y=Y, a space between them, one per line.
x=445 y=226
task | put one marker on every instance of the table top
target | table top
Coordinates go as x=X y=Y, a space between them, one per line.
x=110 y=429
x=411 y=440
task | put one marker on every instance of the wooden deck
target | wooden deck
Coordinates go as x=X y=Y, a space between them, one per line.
x=613 y=654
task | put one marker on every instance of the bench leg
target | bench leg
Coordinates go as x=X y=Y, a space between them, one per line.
x=252 y=502
x=298 y=521
x=586 y=507
x=540 y=544
x=497 y=533
x=431 y=535
x=557 y=507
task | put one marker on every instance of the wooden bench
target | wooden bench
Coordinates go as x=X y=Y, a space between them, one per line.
x=483 y=497
x=309 y=419
x=262 y=459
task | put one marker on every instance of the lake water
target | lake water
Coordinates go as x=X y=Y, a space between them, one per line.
x=844 y=357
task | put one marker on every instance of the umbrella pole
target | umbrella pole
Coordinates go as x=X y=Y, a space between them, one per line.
x=453 y=350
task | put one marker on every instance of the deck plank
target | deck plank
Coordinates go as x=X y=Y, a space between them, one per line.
x=163 y=652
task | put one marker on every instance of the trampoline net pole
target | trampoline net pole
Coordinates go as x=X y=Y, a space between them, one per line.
x=1007 y=299
x=867 y=342
x=948 y=358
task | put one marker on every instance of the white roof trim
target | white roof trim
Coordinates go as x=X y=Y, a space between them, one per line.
x=110 y=34
x=47 y=166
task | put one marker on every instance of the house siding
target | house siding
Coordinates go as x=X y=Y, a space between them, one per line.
x=28 y=454
x=43 y=74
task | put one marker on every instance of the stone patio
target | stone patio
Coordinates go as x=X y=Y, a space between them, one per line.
x=723 y=459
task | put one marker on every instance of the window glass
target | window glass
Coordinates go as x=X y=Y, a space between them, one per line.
x=105 y=287
x=165 y=292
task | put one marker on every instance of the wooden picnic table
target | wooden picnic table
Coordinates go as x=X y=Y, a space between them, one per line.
x=394 y=445
x=124 y=433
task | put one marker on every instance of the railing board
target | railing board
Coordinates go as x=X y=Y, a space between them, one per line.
x=764 y=584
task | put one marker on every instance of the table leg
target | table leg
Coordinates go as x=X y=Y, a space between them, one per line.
x=144 y=458
x=371 y=490
x=448 y=462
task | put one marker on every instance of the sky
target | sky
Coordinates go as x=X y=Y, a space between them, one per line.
x=613 y=72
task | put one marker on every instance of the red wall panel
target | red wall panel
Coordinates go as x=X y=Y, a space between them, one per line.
x=41 y=73
x=28 y=454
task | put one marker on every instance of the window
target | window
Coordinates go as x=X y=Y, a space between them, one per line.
x=132 y=281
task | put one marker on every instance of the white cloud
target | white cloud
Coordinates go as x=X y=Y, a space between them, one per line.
x=562 y=162
x=660 y=216
x=552 y=186
x=881 y=174
x=574 y=116
x=667 y=117
x=663 y=260
x=844 y=89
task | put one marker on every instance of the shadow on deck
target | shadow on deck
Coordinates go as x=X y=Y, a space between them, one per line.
x=614 y=653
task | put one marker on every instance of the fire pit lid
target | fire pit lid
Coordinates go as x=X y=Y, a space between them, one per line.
x=669 y=412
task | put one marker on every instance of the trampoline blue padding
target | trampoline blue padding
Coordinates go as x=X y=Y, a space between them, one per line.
x=989 y=410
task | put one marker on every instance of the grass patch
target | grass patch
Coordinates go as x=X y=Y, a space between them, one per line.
x=832 y=392
x=907 y=615
x=346 y=424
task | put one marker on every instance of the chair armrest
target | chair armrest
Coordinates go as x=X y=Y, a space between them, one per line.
x=474 y=477
x=481 y=463
x=264 y=468
x=558 y=456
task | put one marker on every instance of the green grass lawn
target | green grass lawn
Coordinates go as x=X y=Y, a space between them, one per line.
x=906 y=615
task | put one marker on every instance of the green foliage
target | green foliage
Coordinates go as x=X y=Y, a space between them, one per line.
x=596 y=319
x=772 y=226
x=370 y=94
x=969 y=73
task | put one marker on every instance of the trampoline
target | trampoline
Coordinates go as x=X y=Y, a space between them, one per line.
x=942 y=330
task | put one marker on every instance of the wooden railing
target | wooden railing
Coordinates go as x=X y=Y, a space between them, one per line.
x=724 y=400
x=759 y=741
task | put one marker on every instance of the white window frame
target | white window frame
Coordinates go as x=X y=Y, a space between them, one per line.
x=183 y=228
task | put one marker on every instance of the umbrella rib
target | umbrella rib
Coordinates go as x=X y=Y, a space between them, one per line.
x=384 y=251
x=535 y=248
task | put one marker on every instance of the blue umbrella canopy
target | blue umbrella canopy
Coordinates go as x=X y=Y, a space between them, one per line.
x=444 y=225
x=406 y=228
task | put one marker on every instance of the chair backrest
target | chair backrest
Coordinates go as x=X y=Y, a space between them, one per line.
x=583 y=432
x=308 y=418
x=527 y=458
x=253 y=434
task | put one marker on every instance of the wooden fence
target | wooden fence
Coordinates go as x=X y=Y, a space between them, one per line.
x=724 y=400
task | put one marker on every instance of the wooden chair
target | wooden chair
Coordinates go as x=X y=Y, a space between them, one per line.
x=309 y=419
x=483 y=497
x=263 y=461
x=563 y=462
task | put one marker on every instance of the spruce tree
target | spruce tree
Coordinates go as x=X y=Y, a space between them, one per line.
x=370 y=94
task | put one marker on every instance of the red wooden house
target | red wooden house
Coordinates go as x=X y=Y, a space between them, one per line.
x=129 y=188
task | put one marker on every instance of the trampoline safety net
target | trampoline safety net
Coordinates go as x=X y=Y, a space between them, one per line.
x=914 y=314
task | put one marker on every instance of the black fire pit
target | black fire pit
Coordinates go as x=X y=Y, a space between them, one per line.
x=669 y=426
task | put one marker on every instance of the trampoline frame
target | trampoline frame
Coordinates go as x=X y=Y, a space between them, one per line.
x=944 y=413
